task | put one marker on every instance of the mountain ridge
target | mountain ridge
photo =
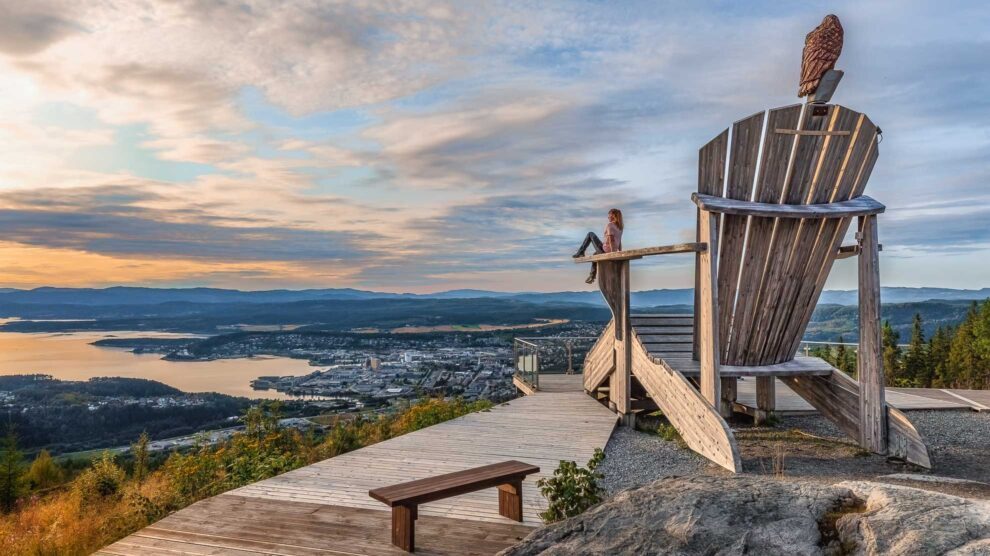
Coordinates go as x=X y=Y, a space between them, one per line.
x=133 y=295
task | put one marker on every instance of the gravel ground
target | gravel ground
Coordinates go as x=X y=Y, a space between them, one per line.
x=810 y=447
x=635 y=458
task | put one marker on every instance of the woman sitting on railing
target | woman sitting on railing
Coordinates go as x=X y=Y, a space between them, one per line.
x=613 y=241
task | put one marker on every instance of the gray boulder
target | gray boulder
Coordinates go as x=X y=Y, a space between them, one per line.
x=900 y=520
x=699 y=515
x=754 y=515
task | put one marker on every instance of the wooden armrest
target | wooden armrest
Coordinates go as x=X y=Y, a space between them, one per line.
x=644 y=252
x=860 y=206
x=847 y=251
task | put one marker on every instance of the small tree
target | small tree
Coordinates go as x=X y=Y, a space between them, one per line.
x=104 y=480
x=141 y=454
x=12 y=484
x=44 y=472
x=845 y=360
x=572 y=489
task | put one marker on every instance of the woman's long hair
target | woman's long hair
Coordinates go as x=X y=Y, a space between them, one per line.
x=618 y=217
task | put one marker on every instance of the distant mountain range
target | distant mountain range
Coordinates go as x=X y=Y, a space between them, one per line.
x=649 y=298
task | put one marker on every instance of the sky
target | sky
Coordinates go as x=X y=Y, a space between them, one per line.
x=426 y=145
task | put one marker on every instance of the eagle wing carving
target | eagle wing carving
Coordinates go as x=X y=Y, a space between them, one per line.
x=822 y=47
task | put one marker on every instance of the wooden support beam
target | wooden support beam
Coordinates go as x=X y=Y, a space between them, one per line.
x=631 y=254
x=510 y=500
x=730 y=389
x=847 y=251
x=621 y=384
x=404 y=527
x=707 y=317
x=872 y=405
x=766 y=398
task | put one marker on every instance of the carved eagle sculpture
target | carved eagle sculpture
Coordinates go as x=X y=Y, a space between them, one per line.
x=821 y=50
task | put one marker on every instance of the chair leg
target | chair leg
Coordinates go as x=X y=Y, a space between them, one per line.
x=404 y=527
x=766 y=399
x=510 y=500
x=729 y=393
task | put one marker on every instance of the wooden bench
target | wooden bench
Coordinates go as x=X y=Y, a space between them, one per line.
x=404 y=498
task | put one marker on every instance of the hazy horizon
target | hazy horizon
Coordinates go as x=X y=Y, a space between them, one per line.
x=428 y=146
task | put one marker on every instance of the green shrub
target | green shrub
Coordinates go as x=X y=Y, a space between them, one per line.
x=572 y=489
x=103 y=481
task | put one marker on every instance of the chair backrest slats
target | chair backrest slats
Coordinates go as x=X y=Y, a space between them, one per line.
x=771 y=270
x=801 y=262
x=851 y=184
x=711 y=176
x=745 y=150
x=769 y=183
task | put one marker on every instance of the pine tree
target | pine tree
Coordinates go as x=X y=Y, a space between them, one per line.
x=917 y=371
x=844 y=360
x=963 y=357
x=979 y=374
x=140 y=452
x=44 y=472
x=938 y=355
x=12 y=484
x=891 y=353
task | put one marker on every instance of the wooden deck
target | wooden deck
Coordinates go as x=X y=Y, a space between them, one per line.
x=905 y=399
x=324 y=508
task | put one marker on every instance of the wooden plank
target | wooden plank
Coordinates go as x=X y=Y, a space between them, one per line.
x=711 y=172
x=697 y=421
x=766 y=399
x=523 y=386
x=817 y=133
x=797 y=366
x=438 y=487
x=729 y=391
x=855 y=173
x=769 y=184
x=798 y=271
x=860 y=206
x=708 y=344
x=620 y=383
x=663 y=338
x=599 y=362
x=828 y=395
x=610 y=284
x=228 y=524
x=645 y=329
x=797 y=185
x=665 y=348
x=630 y=254
x=743 y=156
x=904 y=441
x=872 y=405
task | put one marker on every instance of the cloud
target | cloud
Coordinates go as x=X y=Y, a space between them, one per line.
x=116 y=220
x=29 y=27
x=481 y=139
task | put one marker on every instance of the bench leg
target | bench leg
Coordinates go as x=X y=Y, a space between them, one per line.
x=510 y=500
x=404 y=527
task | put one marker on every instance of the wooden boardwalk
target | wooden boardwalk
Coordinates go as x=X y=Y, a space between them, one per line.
x=905 y=399
x=324 y=508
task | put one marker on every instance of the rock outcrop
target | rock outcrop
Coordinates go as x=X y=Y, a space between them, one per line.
x=754 y=515
x=905 y=520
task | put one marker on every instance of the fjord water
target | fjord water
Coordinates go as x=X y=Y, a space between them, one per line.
x=70 y=356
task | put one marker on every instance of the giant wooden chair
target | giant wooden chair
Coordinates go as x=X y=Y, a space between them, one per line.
x=775 y=200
